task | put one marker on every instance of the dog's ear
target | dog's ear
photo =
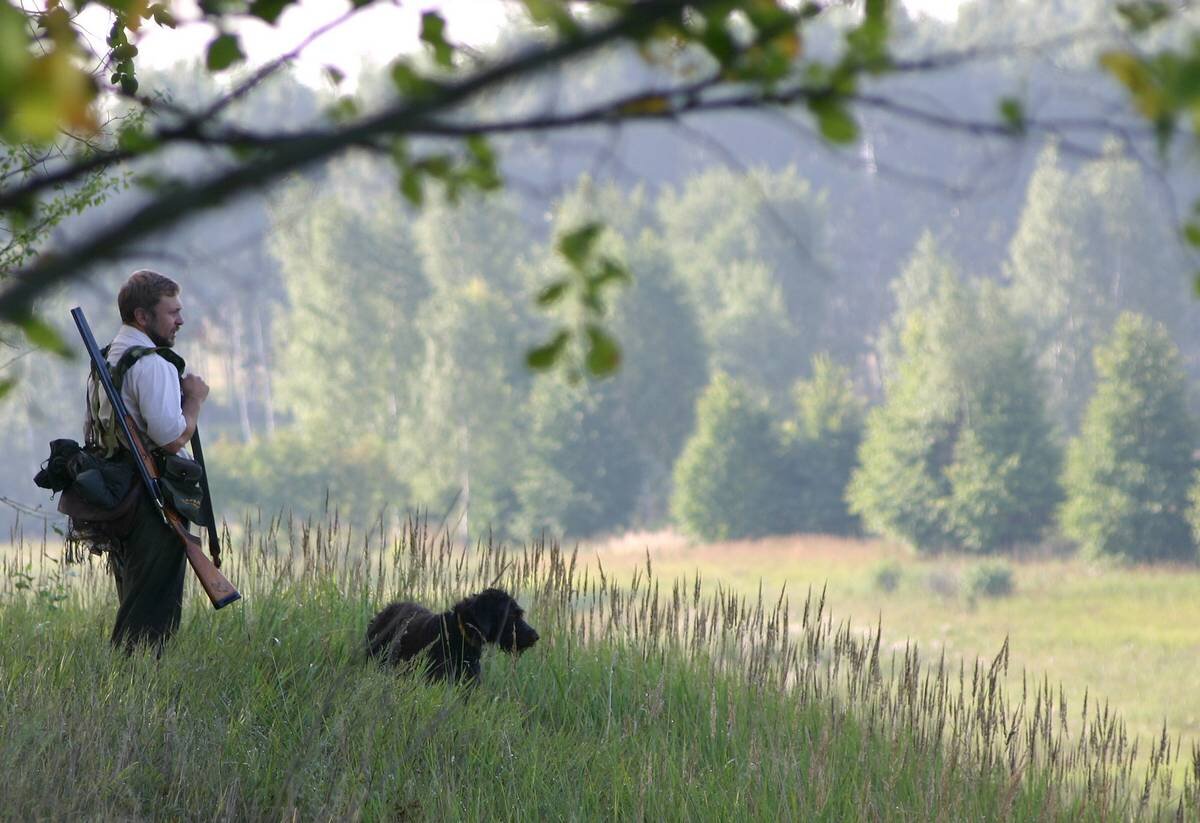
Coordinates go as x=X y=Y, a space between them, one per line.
x=476 y=613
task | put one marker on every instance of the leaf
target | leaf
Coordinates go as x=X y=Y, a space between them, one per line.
x=223 y=52
x=1142 y=15
x=132 y=138
x=411 y=186
x=162 y=15
x=552 y=293
x=553 y=12
x=576 y=245
x=1191 y=232
x=604 y=355
x=610 y=271
x=409 y=82
x=335 y=75
x=6 y=386
x=1135 y=75
x=43 y=336
x=868 y=42
x=651 y=104
x=543 y=357
x=1013 y=114
x=433 y=32
x=269 y=10
x=835 y=123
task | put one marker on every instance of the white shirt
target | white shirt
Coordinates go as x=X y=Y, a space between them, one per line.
x=151 y=389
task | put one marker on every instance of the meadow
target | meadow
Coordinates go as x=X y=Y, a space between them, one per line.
x=647 y=697
x=1125 y=635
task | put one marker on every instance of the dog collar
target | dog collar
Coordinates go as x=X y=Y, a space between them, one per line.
x=462 y=628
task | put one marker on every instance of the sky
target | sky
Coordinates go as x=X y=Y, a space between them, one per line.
x=376 y=34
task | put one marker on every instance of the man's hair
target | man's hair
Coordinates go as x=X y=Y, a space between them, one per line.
x=143 y=290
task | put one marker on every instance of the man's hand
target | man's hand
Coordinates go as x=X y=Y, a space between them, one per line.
x=194 y=391
x=194 y=387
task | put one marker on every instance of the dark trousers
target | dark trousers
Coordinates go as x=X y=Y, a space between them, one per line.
x=149 y=570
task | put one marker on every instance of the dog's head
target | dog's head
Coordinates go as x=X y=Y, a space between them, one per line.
x=499 y=619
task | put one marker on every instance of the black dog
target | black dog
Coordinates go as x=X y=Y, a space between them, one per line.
x=452 y=641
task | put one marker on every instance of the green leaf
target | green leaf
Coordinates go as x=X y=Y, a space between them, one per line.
x=269 y=10
x=552 y=293
x=1142 y=15
x=411 y=186
x=1135 y=75
x=553 y=12
x=132 y=138
x=408 y=82
x=576 y=245
x=6 y=386
x=1014 y=114
x=1191 y=232
x=604 y=355
x=162 y=15
x=835 y=123
x=868 y=42
x=610 y=270
x=43 y=336
x=223 y=52
x=543 y=357
x=433 y=32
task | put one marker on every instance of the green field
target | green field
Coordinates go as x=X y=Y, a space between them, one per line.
x=645 y=699
x=1126 y=635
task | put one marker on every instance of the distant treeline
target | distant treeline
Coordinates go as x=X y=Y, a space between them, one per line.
x=804 y=328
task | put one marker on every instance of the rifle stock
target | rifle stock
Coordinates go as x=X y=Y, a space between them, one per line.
x=218 y=588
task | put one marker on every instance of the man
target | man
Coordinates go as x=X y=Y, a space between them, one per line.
x=149 y=562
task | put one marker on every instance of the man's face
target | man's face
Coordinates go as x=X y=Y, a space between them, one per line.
x=161 y=324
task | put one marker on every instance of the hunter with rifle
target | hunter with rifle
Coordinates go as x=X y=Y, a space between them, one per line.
x=142 y=487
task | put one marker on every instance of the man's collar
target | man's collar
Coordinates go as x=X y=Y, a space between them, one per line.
x=135 y=336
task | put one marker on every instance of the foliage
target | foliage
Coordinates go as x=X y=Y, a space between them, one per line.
x=1129 y=471
x=665 y=358
x=960 y=454
x=750 y=250
x=336 y=330
x=294 y=472
x=466 y=435
x=820 y=448
x=1083 y=252
x=583 y=473
x=726 y=479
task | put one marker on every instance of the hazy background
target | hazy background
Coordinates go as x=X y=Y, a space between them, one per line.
x=371 y=354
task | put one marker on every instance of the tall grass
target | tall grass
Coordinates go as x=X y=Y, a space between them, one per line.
x=679 y=700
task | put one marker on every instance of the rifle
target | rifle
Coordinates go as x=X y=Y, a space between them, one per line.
x=218 y=588
x=210 y=517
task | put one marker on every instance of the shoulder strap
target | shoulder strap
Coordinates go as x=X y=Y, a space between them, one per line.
x=136 y=353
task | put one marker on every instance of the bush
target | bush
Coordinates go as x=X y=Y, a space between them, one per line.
x=886 y=576
x=993 y=578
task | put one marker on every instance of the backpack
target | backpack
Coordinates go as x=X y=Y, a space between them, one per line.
x=103 y=433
